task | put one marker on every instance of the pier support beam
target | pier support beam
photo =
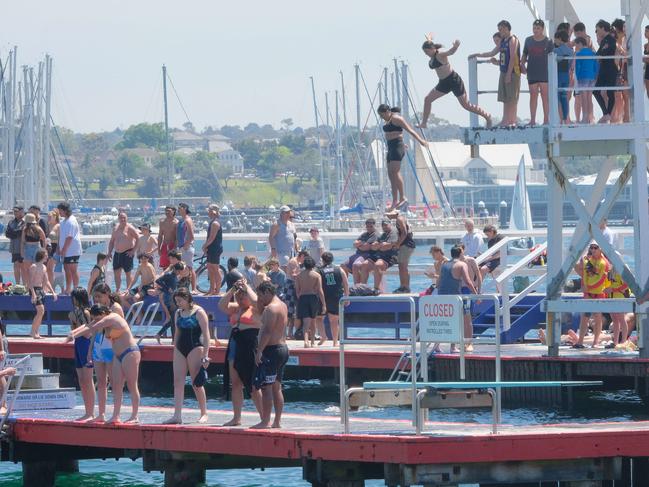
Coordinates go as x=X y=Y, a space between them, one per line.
x=185 y=474
x=39 y=474
x=321 y=473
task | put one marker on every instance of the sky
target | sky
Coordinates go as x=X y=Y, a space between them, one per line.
x=249 y=61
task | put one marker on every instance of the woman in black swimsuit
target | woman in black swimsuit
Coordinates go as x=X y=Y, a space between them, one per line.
x=645 y=59
x=449 y=81
x=393 y=128
x=191 y=349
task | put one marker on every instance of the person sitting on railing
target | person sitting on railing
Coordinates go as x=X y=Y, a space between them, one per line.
x=383 y=254
x=585 y=72
x=493 y=261
x=449 y=81
x=608 y=71
x=564 y=72
x=355 y=264
x=510 y=75
x=146 y=273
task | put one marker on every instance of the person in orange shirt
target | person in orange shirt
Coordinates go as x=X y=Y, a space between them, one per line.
x=593 y=269
x=617 y=288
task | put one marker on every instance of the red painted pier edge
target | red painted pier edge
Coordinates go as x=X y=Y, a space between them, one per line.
x=554 y=443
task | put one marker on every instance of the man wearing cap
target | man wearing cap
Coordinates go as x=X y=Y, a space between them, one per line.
x=167 y=236
x=185 y=239
x=14 y=232
x=355 y=263
x=146 y=244
x=383 y=253
x=70 y=248
x=282 y=237
x=123 y=242
x=213 y=248
x=315 y=245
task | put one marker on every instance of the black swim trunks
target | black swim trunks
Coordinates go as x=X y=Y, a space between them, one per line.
x=453 y=82
x=308 y=306
x=73 y=259
x=396 y=150
x=121 y=260
x=16 y=258
x=40 y=295
x=271 y=368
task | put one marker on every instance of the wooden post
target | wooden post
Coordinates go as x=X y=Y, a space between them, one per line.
x=39 y=474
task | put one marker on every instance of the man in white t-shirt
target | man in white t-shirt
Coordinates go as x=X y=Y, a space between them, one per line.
x=472 y=239
x=69 y=246
x=609 y=235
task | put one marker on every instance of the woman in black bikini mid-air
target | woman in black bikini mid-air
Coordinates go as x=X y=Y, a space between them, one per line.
x=449 y=81
x=393 y=128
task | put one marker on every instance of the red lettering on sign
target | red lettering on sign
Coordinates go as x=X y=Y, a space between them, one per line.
x=439 y=310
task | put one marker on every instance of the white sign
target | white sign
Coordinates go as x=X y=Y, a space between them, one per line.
x=441 y=319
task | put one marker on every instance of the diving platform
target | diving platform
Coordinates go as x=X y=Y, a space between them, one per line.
x=447 y=454
x=567 y=140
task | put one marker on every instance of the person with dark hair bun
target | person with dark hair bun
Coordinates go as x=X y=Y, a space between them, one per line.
x=393 y=128
x=449 y=81
x=191 y=353
x=608 y=71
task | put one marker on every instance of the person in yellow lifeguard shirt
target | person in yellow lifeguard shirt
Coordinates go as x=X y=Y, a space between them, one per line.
x=617 y=288
x=593 y=269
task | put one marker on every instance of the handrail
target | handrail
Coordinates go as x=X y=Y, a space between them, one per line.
x=533 y=255
x=5 y=393
x=147 y=319
x=342 y=340
x=491 y=251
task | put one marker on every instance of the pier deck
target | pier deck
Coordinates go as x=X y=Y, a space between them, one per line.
x=380 y=448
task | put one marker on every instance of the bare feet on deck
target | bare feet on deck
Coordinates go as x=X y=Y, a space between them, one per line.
x=100 y=418
x=276 y=425
x=262 y=425
x=86 y=418
x=36 y=337
x=422 y=125
x=157 y=337
x=542 y=335
x=468 y=348
x=202 y=419
x=132 y=420
x=307 y=345
x=173 y=420
x=114 y=420
x=322 y=341
x=233 y=422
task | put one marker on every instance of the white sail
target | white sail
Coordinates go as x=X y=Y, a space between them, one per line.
x=521 y=215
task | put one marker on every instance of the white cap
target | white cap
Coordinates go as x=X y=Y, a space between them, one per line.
x=284 y=209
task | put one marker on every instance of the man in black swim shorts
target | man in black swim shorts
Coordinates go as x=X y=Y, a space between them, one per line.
x=271 y=355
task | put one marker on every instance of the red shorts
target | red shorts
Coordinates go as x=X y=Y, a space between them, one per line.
x=164 y=254
x=595 y=296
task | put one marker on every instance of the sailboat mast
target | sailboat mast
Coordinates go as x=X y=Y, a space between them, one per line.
x=170 y=164
x=397 y=82
x=339 y=154
x=317 y=128
x=358 y=100
x=329 y=172
x=385 y=85
x=47 y=156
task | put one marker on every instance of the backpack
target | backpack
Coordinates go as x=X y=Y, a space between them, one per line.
x=363 y=290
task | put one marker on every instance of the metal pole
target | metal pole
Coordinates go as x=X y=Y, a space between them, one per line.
x=473 y=90
x=317 y=128
x=639 y=187
x=385 y=86
x=329 y=171
x=358 y=99
x=11 y=147
x=170 y=163
x=397 y=82
x=28 y=128
x=39 y=176
x=339 y=154
x=404 y=87
x=342 y=84
x=392 y=85
x=5 y=172
x=47 y=161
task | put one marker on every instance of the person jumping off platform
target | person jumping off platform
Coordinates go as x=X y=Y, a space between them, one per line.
x=394 y=126
x=449 y=81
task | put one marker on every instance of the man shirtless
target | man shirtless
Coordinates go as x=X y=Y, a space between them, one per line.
x=310 y=302
x=146 y=243
x=167 y=235
x=146 y=273
x=290 y=299
x=185 y=239
x=123 y=242
x=271 y=356
x=476 y=278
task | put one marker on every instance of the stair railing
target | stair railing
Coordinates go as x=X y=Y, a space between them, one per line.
x=518 y=269
x=14 y=397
